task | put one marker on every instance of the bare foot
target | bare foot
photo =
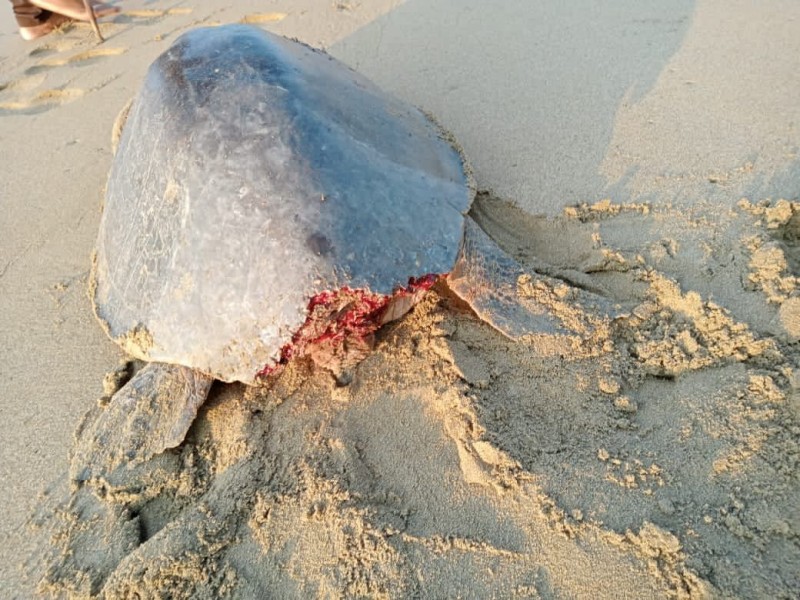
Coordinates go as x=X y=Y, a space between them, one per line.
x=53 y=22
x=74 y=9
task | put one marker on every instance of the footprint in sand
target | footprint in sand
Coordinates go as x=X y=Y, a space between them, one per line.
x=256 y=18
x=53 y=47
x=22 y=85
x=82 y=58
x=41 y=102
x=149 y=14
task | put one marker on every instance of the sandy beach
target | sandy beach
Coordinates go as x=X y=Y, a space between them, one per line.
x=644 y=154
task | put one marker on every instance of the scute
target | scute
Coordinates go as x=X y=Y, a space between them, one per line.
x=254 y=173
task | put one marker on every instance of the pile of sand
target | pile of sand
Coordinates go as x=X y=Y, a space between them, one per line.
x=651 y=448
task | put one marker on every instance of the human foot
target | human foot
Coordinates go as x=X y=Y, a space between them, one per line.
x=74 y=9
x=53 y=22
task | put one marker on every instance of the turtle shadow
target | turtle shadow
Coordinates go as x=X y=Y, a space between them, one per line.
x=540 y=131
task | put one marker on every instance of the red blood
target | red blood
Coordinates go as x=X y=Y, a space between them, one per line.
x=334 y=315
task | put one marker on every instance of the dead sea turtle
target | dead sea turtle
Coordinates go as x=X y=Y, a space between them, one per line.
x=266 y=202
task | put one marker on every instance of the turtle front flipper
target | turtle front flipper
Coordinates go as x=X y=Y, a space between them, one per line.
x=514 y=301
x=487 y=279
x=151 y=413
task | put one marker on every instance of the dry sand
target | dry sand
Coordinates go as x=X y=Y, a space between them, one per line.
x=645 y=153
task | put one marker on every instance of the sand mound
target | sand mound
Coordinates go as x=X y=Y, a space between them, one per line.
x=649 y=448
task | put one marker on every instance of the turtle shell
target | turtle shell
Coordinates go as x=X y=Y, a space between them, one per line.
x=255 y=174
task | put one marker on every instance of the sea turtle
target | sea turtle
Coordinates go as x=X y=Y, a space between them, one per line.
x=265 y=202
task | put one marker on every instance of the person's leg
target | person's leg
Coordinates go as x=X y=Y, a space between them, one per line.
x=37 y=18
x=74 y=9
x=29 y=15
x=33 y=21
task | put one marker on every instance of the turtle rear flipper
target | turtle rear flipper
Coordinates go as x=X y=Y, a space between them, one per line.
x=149 y=414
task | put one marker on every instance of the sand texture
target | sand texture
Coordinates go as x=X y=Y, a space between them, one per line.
x=639 y=162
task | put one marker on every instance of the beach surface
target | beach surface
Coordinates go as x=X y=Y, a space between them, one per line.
x=642 y=154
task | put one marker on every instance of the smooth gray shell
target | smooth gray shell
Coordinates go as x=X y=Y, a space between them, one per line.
x=253 y=173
